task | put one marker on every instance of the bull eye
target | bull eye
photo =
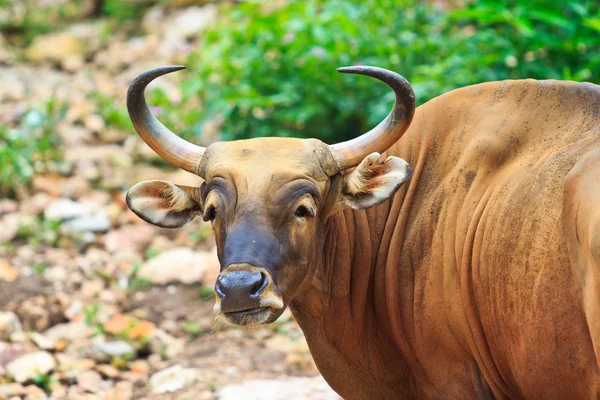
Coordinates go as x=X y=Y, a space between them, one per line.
x=302 y=212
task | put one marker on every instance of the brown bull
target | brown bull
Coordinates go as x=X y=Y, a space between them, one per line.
x=480 y=278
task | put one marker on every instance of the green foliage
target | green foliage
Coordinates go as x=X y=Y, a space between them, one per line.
x=540 y=39
x=23 y=20
x=28 y=148
x=272 y=73
x=44 y=381
x=123 y=9
x=90 y=313
x=192 y=329
x=268 y=71
x=113 y=114
x=206 y=292
x=40 y=231
x=137 y=282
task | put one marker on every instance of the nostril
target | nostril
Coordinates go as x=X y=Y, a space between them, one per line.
x=219 y=289
x=259 y=286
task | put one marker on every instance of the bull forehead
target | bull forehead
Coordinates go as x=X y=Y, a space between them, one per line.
x=260 y=159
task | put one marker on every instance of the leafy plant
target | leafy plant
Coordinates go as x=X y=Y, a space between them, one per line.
x=206 y=292
x=533 y=39
x=44 y=381
x=192 y=329
x=40 y=231
x=113 y=114
x=90 y=313
x=136 y=282
x=28 y=148
x=267 y=70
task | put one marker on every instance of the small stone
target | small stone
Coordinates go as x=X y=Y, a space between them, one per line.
x=90 y=223
x=11 y=389
x=130 y=237
x=7 y=272
x=34 y=317
x=94 y=123
x=90 y=381
x=299 y=388
x=122 y=391
x=154 y=360
x=42 y=342
x=31 y=365
x=69 y=331
x=72 y=367
x=62 y=209
x=8 y=206
x=73 y=310
x=10 y=226
x=91 y=289
x=11 y=351
x=117 y=324
x=36 y=203
x=172 y=379
x=178 y=265
x=33 y=392
x=140 y=367
x=141 y=330
x=73 y=63
x=166 y=345
x=12 y=89
x=105 y=351
x=54 y=47
x=193 y=20
x=107 y=371
x=9 y=324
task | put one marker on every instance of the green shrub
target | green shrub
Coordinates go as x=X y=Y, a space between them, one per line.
x=540 y=39
x=271 y=72
x=28 y=148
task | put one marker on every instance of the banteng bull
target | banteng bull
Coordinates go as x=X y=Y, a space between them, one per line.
x=479 y=278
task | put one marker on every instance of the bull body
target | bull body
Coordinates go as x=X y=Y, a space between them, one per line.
x=480 y=278
x=477 y=279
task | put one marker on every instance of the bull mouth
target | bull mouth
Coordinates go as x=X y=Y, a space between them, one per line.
x=250 y=316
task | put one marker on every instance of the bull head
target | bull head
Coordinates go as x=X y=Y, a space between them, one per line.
x=269 y=200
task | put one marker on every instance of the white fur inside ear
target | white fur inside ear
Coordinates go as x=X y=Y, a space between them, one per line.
x=162 y=203
x=374 y=182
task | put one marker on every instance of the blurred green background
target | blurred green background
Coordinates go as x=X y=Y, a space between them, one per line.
x=267 y=68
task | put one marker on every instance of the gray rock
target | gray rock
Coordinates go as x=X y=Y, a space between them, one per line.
x=54 y=47
x=193 y=20
x=172 y=379
x=69 y=331
x=286 y=389
x=179 y=265
x=92 y=223
x=9 y=324
x=92 y=382
x=42 y=342
x=62 y=209
x=29 y=366
x=11 y=389
x=105 y=351
x=163 y=343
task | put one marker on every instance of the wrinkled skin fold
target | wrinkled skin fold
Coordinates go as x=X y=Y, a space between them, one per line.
x=470 y=274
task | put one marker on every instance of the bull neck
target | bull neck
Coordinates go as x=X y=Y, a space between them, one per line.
x=353 y=305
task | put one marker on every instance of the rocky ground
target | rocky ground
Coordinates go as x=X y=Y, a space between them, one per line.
x=94 y=302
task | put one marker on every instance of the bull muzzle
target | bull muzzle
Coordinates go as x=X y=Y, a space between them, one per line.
x=240 y=290
x=246 y=295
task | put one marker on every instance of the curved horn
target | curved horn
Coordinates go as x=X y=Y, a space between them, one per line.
x=165 y=143
x=350 y=153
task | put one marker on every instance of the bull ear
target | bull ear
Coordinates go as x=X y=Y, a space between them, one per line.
x=163 y=203
x=374 y=181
